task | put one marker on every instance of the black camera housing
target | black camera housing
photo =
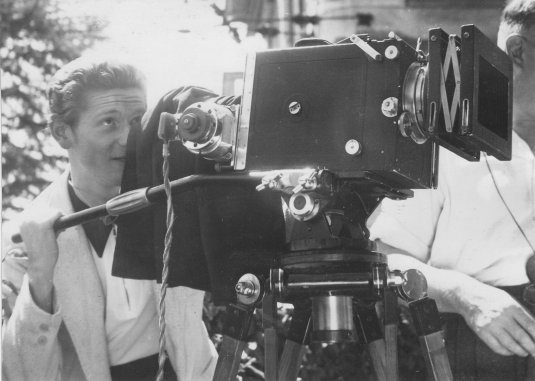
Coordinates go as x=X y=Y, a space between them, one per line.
x=331 y=106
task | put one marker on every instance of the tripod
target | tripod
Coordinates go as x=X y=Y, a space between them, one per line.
x=335 y=280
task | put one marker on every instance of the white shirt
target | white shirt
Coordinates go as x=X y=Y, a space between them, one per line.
x=464 y=224
x=131 y=315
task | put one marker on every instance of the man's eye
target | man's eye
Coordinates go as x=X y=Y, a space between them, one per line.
x=136 y=121
x=109 y=122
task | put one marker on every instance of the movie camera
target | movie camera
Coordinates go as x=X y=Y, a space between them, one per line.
x=335 y=128
x=357 y=121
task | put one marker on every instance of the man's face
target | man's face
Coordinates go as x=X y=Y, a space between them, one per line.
x=524 y=84
x=98 y=146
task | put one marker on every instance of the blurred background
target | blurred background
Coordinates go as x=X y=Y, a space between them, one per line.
x=199 y=42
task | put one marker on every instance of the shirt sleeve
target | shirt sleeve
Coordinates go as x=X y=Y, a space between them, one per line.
x=409 y=225
x=30 y=343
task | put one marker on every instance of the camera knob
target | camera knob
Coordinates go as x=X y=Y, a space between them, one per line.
x=190 y=122
x=413 y=286
x=248 y=289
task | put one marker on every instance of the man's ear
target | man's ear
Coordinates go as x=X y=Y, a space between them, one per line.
x=515 y=49
x=63 y=134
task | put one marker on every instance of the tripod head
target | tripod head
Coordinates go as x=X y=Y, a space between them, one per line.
x=329 y=260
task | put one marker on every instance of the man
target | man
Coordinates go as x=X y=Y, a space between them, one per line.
x=473 y=235
x=72 y=319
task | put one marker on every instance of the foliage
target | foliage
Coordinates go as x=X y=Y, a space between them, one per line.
x=37 y=37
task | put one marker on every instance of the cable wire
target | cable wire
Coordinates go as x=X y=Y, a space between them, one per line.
x=165 y=272
x=507 y=206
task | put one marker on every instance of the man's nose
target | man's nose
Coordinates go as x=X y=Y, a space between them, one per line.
x=123 y=133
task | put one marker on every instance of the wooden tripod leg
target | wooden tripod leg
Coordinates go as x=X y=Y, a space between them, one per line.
x=428 y=327
x=295 y=345
x=369 y=331
x=390 y=303
x=531 y=369
x=237 y=324
x=271 y=347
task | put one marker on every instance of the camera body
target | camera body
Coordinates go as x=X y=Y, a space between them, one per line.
x=367 y=117
x=332 y=107
x=364 y=108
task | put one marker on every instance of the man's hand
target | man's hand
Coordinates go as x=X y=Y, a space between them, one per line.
x=499 y=320
x=495 y=316
x=39 y=238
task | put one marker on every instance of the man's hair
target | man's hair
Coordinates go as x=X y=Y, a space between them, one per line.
x=68 y=88
x=517 y=16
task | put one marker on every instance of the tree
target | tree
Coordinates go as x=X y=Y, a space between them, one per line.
x=37 y=37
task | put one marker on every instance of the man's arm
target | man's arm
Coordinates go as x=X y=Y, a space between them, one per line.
x=30 y=344
x=42 y=248
x=496 y=317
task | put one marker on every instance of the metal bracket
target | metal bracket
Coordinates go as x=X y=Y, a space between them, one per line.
x=366 y=48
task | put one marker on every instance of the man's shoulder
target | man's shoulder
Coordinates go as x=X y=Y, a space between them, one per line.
x=51 y=193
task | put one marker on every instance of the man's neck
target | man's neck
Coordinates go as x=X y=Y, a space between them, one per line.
x=526 y=130
x=91 y=191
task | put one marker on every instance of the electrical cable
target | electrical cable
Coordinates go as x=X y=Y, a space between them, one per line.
x=165 y=271
x=507 y=206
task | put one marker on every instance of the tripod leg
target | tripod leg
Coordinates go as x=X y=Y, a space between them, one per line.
x=427 y=324
x=294 y=347
x=531 y=369
x=369 y=331
x=271 y=347
x=237 y=324
x=390 y=303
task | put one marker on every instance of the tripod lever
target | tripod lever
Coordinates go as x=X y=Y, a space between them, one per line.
x=237 y=325
x=428 y=327
x=390 y=303
x=369 y=331
x=296 y=341
x=271 y=347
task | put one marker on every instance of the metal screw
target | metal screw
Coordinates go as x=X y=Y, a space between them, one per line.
x=245 y=288
x=466 y=35
x=389 y=107
x=433 y=38
x=391 y=52
x=248 y=289
x=294 y=108
x=353 y=147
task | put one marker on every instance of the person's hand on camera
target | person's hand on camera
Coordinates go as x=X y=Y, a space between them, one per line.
x=37 y=232
x=499 y=320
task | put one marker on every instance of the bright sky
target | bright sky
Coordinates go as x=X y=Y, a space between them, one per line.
x=174 y=42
